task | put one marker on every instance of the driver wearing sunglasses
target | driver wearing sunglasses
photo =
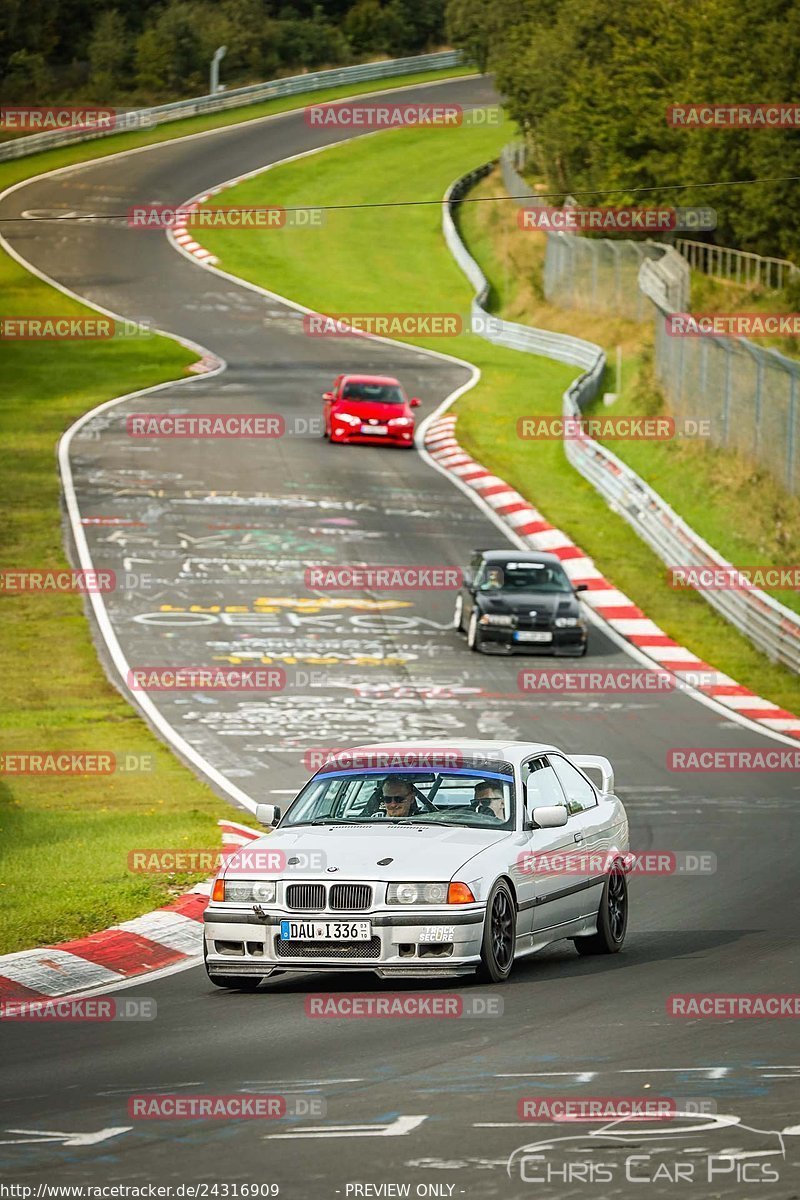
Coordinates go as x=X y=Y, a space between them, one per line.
x=397 y=797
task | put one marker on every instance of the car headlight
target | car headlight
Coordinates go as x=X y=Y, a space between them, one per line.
x=496 y=619
x=567 y=622
x=347 y=418
x=400 y=421
x=245 y=891
x=416 y=893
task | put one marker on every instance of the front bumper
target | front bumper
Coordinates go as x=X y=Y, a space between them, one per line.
x=564 y=641
x=239 y=942
x=342 y=437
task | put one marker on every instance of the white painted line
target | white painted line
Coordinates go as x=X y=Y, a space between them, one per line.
x=67 y=1139
x=397 y=1128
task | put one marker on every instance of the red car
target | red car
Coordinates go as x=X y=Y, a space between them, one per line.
x=371 y=409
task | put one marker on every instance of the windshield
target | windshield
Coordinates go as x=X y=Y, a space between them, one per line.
x=523 y=577
x=375 y=393
x=482 y=800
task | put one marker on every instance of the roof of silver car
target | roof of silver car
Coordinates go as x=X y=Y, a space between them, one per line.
x=510 y=751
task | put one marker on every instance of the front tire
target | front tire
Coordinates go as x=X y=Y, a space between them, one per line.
x=499 y=935
x=458 y=615
x=612 y=917
x=474 y=640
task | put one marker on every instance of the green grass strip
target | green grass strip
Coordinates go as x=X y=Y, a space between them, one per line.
x=64 y=841
x=396 y=260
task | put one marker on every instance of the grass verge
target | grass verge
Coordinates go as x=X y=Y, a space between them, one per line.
x=404 y=266
x=737 y=507
x=64 y=841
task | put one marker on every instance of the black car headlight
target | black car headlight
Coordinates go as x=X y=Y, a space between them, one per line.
x=498 y=619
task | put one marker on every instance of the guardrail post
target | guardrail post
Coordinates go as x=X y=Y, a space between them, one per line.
x=791 y=437
x=759 y=389
x=726 y=396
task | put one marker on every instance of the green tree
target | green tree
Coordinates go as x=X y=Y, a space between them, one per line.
x=109 y=56
x=169 y=52
x=469 y=25
x=28 y=77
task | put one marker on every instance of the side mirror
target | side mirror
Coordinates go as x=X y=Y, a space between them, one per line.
x=327 y=395
x=467 y=578
x=415 y=402
x=581 y=587
x=268 y=814
x=550 y=816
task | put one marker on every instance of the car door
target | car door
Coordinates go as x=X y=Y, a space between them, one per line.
x=589 y=817
x=553 y=885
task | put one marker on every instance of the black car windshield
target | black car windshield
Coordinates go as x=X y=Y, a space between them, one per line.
x=478 y=800
x=523 y=577
x=375 y=393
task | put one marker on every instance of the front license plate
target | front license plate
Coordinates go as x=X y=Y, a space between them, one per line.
x=326 y=931
x=524 y=635
x=379 y=429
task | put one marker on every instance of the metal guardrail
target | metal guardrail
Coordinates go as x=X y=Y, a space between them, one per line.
x=292 y=85
x=769 y=625
x=740 y=265
x=599 y=273
x=573 y=351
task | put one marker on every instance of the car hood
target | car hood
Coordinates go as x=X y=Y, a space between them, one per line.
x=416 y=852
x=551 y=603
x=368 y=410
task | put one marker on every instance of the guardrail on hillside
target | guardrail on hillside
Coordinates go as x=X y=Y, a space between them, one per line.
x=771 y=626
x=571 y=350
x=740 y=265
x=598 y=273
x=292 y=85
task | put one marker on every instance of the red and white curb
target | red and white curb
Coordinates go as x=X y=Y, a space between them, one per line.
x=613 y=606
x=184 y=239
x=161 y=939
x=189 y=245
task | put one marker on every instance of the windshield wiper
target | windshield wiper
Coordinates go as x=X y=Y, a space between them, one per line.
x=320 y=821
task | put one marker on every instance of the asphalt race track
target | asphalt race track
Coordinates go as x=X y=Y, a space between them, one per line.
x=229 y=527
